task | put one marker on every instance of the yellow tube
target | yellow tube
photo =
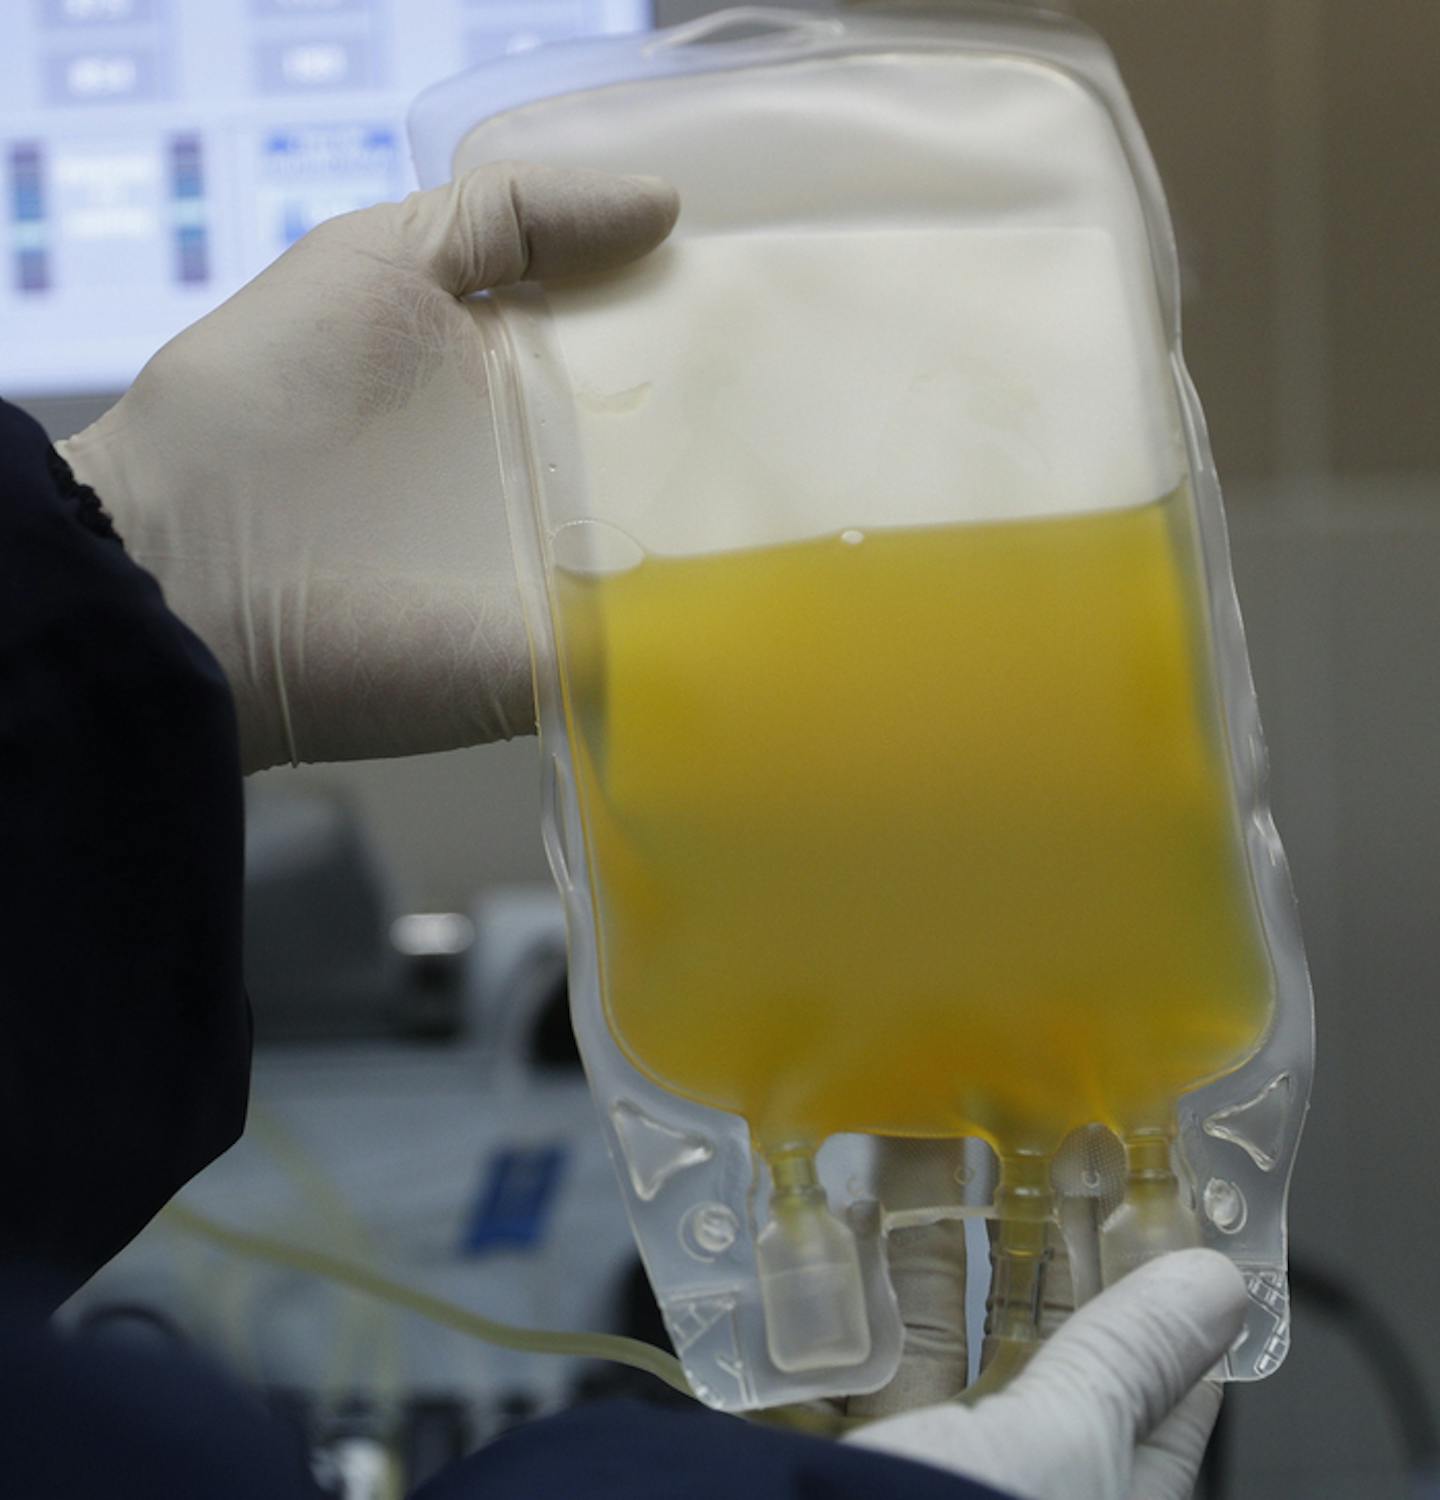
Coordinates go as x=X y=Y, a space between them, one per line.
x=1024 y=1206
x=320 y=1193
x=608 y=1346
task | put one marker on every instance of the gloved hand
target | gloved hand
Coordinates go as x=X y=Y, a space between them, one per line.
x=1114 y=1406
x=310 y=472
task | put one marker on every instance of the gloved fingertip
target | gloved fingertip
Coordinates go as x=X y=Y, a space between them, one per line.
x=594 y=221
x=1207 y=1282
x=663 y=203
x=521 y=221
x=653 y=184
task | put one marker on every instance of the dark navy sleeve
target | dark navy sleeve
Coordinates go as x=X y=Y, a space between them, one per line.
x=624 y=1450
x=81 y=1419
x=124 y=1029
x=139 y=1426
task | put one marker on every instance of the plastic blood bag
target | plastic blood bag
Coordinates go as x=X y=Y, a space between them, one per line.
x=903 y=766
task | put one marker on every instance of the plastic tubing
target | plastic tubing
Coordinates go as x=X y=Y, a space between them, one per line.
x=1025 y=1207
x=359 y=1316
x=607 y=1346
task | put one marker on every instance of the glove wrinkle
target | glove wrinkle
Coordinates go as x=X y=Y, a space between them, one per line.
x=521 y=236
x=1165 y=1463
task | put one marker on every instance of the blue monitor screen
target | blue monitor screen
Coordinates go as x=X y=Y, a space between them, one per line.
x=156 y=154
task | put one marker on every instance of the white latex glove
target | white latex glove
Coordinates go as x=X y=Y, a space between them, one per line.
x=310 y=472
x=1115 y=1406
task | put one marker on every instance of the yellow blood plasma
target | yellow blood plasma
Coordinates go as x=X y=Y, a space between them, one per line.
x=922 y=832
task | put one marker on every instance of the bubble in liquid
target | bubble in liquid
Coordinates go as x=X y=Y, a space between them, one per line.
x=1224 y=1206
x=852 y=538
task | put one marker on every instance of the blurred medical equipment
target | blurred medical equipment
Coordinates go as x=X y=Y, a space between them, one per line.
x=327 y=954
x=460 y=1165
x=317 y=959
x=903 y=767
x=156 y=154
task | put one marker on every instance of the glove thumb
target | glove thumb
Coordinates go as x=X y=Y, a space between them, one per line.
x=515 y=221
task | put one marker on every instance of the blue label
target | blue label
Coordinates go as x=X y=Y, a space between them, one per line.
x=518 y=1186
